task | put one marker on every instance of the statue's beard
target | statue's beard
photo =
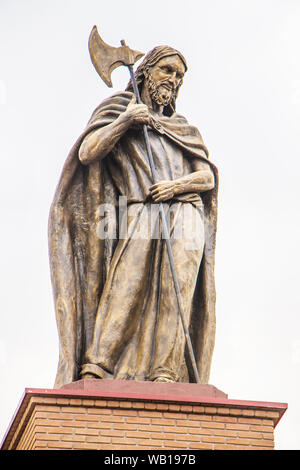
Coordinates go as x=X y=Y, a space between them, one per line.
x=161 y=95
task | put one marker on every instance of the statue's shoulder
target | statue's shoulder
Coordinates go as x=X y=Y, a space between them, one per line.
x=179 y=118
x=112 y=106
x=121 y=98
x=181 y=122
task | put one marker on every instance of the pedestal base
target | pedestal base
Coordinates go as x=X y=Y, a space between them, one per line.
x=119 y=415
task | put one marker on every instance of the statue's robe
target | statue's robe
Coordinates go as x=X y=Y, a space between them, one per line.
x=114 y=298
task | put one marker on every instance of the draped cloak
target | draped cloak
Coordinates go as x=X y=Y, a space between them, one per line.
x=80 y=260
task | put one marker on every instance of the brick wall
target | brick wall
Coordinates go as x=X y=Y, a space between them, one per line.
x=52 y=421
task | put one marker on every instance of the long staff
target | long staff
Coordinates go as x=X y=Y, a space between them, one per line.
x=105 y=59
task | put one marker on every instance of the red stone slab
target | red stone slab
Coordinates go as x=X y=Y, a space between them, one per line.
x=186 y=390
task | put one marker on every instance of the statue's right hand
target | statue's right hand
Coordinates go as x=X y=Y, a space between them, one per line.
x=137 y=113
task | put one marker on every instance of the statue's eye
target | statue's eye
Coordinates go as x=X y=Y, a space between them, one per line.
x=167 y=69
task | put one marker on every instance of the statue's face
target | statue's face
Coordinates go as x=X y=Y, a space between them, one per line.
x=164 y=78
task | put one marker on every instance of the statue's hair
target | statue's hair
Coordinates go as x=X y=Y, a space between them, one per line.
x=151 y=59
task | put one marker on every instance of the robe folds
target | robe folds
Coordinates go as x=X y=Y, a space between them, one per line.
x=87 y=270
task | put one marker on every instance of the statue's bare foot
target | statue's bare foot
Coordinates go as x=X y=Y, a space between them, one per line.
x=162 y=378
x=93 y=371
x=87 y=375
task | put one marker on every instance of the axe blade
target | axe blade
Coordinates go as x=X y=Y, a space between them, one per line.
x=106 y=58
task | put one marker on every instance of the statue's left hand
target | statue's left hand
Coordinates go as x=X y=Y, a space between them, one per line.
x=162 y=191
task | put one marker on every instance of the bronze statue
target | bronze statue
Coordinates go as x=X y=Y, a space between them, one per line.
x=116 y=308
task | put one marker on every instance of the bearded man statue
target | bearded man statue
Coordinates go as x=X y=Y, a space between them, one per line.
x=116 y=307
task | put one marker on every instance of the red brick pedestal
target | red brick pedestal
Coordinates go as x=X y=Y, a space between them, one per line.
x=119 y=415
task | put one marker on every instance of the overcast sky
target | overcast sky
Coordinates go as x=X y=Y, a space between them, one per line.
x=242 y=91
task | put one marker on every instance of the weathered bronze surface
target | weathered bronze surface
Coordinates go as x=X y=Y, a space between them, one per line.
x=116 y=308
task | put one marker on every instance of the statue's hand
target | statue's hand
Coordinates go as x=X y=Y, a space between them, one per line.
x=137 y=113
x=162 y=191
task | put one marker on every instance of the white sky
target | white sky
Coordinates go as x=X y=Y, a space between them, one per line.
x=242 y=91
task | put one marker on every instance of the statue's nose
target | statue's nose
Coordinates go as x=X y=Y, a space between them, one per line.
x=172 y=77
